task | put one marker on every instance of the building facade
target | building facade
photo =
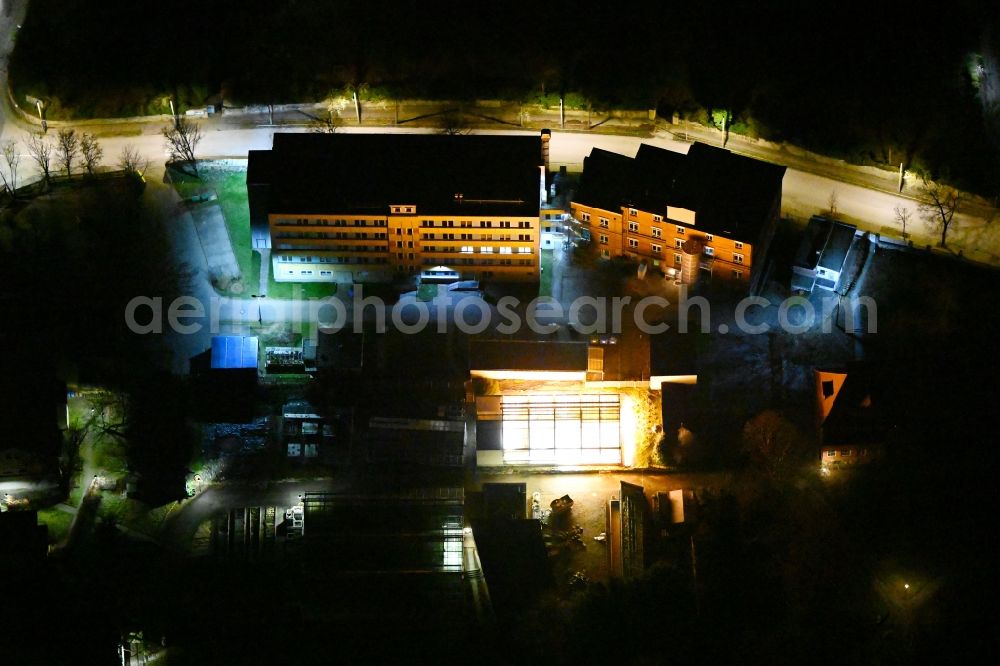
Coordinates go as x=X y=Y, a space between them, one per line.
x=648 y=207
x=357 y=207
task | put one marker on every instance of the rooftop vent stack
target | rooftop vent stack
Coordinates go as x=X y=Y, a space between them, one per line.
x=543 y=193
x=546 y=138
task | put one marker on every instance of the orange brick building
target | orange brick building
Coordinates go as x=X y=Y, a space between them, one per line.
x=645 y=208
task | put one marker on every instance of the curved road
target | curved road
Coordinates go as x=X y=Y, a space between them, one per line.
x=805 y=193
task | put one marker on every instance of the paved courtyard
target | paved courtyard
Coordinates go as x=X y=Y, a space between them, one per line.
x=210 y=225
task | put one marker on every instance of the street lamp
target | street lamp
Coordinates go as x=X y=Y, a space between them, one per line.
x=260 y=317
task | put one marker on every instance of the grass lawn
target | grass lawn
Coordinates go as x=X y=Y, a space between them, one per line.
x=545 y=279
x=57 y=521
x=427 y=292
x=231 y=188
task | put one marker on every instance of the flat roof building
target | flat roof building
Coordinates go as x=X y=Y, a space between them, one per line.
x=367 y=207
x=822 y=254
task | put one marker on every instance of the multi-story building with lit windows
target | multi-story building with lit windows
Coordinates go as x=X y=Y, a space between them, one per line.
x=368 y=207
x=706 y=213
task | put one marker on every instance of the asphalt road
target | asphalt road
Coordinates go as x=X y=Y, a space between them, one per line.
x=805 y=192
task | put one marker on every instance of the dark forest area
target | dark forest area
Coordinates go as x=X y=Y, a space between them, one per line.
x=871 y=83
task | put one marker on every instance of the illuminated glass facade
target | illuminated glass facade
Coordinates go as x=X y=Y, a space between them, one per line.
x=578 y=429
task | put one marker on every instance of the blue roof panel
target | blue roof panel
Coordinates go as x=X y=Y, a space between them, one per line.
x=234 y=351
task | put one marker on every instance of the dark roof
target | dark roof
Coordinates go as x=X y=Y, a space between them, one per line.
x=365 y=173
x=425 y=356
x=656 y=174
x=674 y=353
x=841 y=237
x=415 y=441
x=259 y=167
x=514 y=562
x=544 y=355
x=813 y=241
x=732 y=195
x=338 y=350
x=863 y=409
x=606 y=179
x=392 y=531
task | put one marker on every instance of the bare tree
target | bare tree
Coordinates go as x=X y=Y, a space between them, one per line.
x=832 y=200
x=91 y=151
x=903 y=215
x=182 y=142
x=326 y=125
x=40 y=151
x=773 y=444
x=68 y=146
x=12 y=158
x=131 y=162
x=938 y=205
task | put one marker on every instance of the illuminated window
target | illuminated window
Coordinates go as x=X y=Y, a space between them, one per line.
x=524 y=250
x=486 y=249
x=831 y=454
x=561 y=429
x=451 y=549
x=467 y=249
x=506 y=250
